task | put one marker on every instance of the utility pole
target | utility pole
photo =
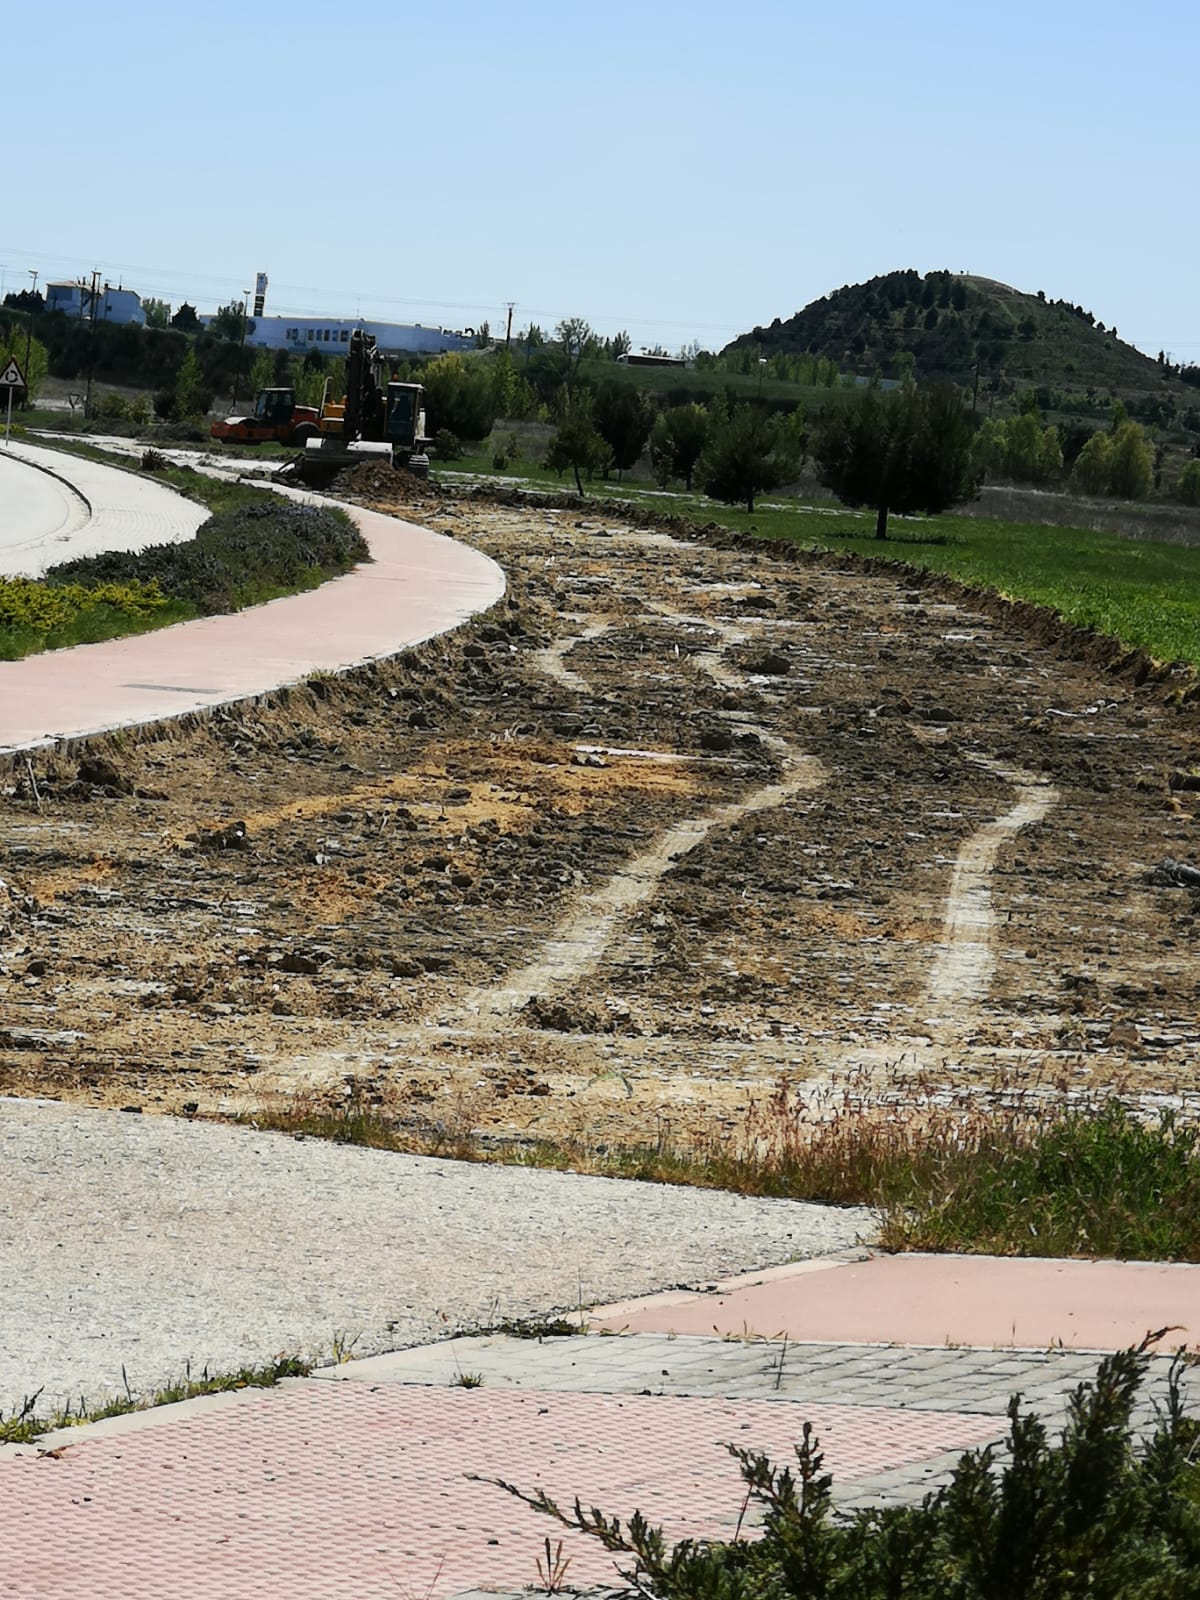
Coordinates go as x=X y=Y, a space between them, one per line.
x=29 y=333
x=975 y=391
x=508 y=329
x=87 y=398
x=237 y=371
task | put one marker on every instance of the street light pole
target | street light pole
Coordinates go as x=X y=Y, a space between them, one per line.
x=29 y=332
x=762 y=362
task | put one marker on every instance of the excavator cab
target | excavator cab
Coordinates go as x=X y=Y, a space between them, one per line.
x=404 y=417
x=404 y=426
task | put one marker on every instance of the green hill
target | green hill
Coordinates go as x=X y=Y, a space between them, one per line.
x=951 y=323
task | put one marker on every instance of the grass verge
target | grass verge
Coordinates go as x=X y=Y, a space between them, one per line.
x=29 y=1424
x=1143 y=591
x=1019 y=1170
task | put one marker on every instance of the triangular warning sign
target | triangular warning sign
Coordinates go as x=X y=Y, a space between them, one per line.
x=11 y=377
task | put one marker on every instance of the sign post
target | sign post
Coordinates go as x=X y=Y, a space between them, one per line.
x=11 y=378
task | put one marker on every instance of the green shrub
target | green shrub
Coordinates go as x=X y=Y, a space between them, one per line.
x=113 y=407
x=240 y=556
x=28 y=604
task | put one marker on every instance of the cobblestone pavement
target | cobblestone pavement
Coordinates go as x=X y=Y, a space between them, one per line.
x=354 y=1483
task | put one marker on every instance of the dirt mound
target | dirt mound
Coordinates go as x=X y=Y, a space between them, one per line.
x=380 y=480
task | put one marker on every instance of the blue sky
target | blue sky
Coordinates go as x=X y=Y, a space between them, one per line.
x=680 y=170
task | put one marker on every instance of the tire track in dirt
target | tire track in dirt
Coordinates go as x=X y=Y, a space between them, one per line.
x=590 y=928
x=552 y=660
x=966 y=957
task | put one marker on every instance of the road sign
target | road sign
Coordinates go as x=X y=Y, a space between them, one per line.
x=11 y=377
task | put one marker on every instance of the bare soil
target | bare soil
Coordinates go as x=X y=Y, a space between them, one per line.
x=674 y=822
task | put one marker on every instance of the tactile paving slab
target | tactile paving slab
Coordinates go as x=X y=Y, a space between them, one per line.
x=320 y=1491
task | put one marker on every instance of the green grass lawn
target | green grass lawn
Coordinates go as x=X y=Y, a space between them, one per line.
x=1145 y=592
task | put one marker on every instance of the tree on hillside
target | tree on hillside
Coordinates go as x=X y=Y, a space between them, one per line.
x=1187 y=488
x=903 y=452
x=158 y=312
x=185 y=319
x=677 y=441
x=740 y=459
x=1091 y=464
x=622 y=417
x=1120 y=463
x=1020 y=449
x=1130 y=463
x=576 y=444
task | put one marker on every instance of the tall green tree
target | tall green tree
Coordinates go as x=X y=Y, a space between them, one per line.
x=1020 y=449
x=623 y=417
x=1091 y=464
x=1130 y=463
x=677 y=442
x=902 y=452
x=262 y=372
x=576 y=444
x=228 y=321
x=460 y=394
x=192 y=395
x=1187 y=487
x=575 y=336
x=158 y=312
x=740 y=459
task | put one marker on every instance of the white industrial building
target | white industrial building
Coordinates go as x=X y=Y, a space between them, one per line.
x=331 y=335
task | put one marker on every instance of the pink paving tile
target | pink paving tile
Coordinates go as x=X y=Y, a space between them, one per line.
x=342 y=1492
x=937 y=1300
x=419 y=584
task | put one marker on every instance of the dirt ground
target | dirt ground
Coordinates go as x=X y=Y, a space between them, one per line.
x=673 y=823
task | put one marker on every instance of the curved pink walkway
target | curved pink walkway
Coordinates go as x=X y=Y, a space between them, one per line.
x=419 y=584
x=938 y=1300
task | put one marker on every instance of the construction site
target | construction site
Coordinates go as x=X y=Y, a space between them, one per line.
x=681 y=820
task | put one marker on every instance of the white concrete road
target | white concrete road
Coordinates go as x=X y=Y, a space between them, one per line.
x=44 y=519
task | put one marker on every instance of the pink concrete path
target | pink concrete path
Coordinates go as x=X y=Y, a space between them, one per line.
x=347 y=1491
x=939 y=1300
x=419 y=584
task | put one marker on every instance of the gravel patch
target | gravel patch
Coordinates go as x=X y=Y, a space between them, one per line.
x=149 y=1243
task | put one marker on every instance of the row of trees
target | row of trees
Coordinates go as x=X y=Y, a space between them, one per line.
x=905 y=452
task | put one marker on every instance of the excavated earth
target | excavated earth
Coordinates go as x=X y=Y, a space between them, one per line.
x=677 y=822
